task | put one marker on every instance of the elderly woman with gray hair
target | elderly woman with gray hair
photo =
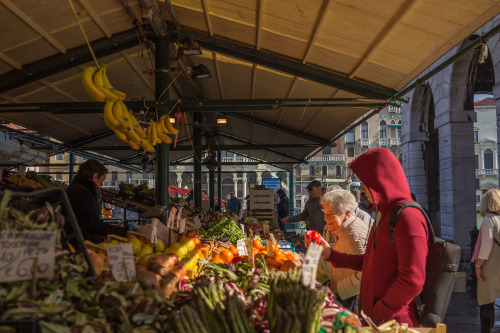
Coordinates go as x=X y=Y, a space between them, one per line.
x=349 y=236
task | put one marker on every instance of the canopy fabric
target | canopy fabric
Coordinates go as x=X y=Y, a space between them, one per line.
x=278 y=49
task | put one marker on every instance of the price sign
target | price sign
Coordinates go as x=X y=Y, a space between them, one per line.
x=197 y=221
x=273 y=240
x=154 y=230
x=121 y=261
x=310 y=267
x=249 y=245
x=178 y=217
x=18 y=250
x=182 y=226
x=242 y=248
x=270 y=250
x=242 y=226
x=171 y=218
x=265 y=228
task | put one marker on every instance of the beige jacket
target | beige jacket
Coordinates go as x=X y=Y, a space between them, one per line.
x=489 y=290
x=349 y=238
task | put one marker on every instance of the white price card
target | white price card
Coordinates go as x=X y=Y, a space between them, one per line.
x=18 y=250
x=197 y=221
x=154 y=230
x=310 y=267
x=242 y=226
x=171 y=218
x=182 y=225
x=121 y=261
x=242 y=248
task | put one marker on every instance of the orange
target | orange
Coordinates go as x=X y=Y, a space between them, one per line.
x=197 y=242
x=280 y=258
x=278 y=253
x=255 y=251
x=221 y=248
x=260 y=254
x=201 y=254
x=226 y=256
x=217 y=260
x=183 y=238
x=131 y=236
x=234 y=250
x=257 y=244
x=287 y=265
x=271 y=262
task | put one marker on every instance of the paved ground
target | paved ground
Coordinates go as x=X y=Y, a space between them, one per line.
x=463 y=314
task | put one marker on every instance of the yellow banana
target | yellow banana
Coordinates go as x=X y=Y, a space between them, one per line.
x=153 y=140
x=121 y=136
x=99 y=83
x=162 y=126
x=168 y=125
x=109 y=119
x=107 y=84
x=161 y=134
x=94 y=93
x=134 y=145
x=147 y=146
x=136 y=125
x=122 y=118
x=133 y=136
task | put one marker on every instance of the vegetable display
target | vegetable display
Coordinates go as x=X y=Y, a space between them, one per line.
x=225 y=227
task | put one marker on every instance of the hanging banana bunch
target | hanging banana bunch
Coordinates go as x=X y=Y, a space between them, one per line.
x=119 y=118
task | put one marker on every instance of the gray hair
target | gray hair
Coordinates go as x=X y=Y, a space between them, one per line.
x=333 y=188
x=342 y=200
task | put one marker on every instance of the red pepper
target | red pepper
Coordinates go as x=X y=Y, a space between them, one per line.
x=314 y=236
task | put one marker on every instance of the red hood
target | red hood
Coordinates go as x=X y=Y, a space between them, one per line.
x=382 y=173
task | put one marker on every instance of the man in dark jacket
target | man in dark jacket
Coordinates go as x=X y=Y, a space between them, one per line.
x=85 y=198
x=313 y=210
x=283 y=207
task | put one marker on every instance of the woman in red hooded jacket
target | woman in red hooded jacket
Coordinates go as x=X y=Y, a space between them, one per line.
x=393 y=273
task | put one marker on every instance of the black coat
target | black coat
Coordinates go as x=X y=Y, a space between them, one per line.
x=283 y=207
x=84 y=200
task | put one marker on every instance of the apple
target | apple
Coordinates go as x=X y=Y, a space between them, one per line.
x=174 y=257
x=192 y=234
x=179 y=270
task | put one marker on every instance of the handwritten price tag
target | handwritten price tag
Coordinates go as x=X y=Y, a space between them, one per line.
x=242 y=248
x=154 y=230
x=121 y=261
x=197 y=221
x=171 y=218
x=18 y=250
x=310 y=267
x=182 y=226
x=249 y=245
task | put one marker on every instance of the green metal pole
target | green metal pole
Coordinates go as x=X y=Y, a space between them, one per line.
x=162 y=80
x=211 y=188
x=71 y=167
x=291 y=189
x=219 y=181
x=197 y=159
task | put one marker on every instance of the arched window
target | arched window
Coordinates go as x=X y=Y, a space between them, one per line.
x=383 y=129
x=338 y=170
x=364 y=130
x=488 y=159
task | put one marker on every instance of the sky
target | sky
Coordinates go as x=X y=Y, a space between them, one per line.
x=481 y=96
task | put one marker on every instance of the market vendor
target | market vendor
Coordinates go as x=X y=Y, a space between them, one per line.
x=85 y=197
x=313 y=210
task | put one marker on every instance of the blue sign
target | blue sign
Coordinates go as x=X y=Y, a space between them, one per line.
x=274 y=183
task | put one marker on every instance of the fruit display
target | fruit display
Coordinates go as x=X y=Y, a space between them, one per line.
x=119 y=118
x=224 y=228
x=24 y=181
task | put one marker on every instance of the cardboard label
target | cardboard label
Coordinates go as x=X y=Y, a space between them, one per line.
x=242 y=226
x=171 y=218
x=273 y=240
x=269 y=248
x=178 y=217
x=18 y=250
x=182 y=225
x=197 y=221
x=154 y=230
x=265 y=228
x=242 y=248
x=310 y=267
x=121 y=261
x=249 y=245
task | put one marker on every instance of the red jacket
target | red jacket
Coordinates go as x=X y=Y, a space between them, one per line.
x=393 y=273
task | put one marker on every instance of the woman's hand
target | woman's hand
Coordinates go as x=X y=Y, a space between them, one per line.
x=479 y=274
x=321 y=241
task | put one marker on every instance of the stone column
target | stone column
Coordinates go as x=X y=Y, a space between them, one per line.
x=178 y=180
x=496 y=96
x=457 y=176
x=259 y=177
x=235 y=181
x=245 y=182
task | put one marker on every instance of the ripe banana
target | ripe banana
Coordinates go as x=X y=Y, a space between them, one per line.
x=121 y=117
x=161 y=134
x=147 y=146
x=171 y=129
x=162 y=126
x=107 y=84
x=99 y=83
x=121 y=136
x=137 y=127
x=87 y=80
x=109 y=119
x=134 y=145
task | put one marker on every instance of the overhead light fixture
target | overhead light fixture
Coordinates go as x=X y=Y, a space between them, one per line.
x=221 y=120
x=190 y=47
x=172 y=119
x=200 y=72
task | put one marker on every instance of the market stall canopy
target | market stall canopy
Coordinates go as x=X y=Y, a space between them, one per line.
x=289 y=73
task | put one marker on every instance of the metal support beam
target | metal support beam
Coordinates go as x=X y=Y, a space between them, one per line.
x=197 y=160
x=252 y=146
x=71 y=167
x=291 y=189
x=72 y=58
x=162 y=80
x=277 y=128
x=287 y=65
x=259 y=161
x=241 y=163
x=219 y=181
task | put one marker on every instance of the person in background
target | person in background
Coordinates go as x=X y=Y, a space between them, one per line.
x=488 y=259
x=313 y=211
x=349 y=236
x=283 y=207
x=393 y=272
x=234 y=204
x=190 y=197
x=359 y=212
x=85 y=198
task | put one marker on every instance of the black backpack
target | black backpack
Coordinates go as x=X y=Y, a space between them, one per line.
x=442 y=263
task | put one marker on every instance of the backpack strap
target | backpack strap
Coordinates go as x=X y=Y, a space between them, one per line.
x=397 y=210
